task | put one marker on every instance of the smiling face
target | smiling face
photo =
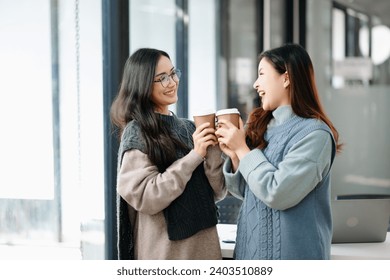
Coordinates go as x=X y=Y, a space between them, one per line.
x=272 y=87
x=163 y=97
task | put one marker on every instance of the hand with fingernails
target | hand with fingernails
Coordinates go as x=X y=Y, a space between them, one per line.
x=204 y=136
x=232 y=140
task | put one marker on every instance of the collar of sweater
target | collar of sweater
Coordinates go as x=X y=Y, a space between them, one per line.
x=281 y=115
x=171 y=119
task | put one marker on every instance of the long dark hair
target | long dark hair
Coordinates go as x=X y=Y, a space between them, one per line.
x=305 y=101
x=133 y=102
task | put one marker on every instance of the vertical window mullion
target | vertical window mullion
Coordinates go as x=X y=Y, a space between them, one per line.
x=56 y=116
x=115 y=23
x=182 y=55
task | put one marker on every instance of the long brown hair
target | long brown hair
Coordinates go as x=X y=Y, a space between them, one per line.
x=305 y=101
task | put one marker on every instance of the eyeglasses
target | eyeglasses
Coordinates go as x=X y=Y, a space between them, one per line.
x=165 y=78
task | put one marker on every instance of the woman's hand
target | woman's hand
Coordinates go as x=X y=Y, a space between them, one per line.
x=204 y=136
x=234 y=158
x=232 y=139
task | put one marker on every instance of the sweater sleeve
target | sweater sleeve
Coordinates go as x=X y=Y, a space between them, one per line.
x=141 y=185
x=285 y=185
x=234 y=181
x=213 y=170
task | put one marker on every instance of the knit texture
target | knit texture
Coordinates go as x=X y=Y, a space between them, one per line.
x=293 y=233
x=191 y=212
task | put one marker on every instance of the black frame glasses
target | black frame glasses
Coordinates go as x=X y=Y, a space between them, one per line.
x=165 y=78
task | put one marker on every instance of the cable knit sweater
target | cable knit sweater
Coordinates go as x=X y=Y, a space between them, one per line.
x=285 y=190
x=169 y=215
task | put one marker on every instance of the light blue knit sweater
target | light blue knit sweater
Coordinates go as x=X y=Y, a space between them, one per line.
x=286 y=209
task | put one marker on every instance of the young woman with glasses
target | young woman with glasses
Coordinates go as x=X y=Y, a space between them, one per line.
x=169 y=173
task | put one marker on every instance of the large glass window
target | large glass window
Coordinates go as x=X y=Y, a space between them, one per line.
x=352 y=64
x=360 y=49
x=51 y=192
x=240 y=50
x=26 y=106
x=358 y=102
x=27 y=183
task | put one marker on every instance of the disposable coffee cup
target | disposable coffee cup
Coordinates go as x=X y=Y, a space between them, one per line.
x=232 y=115
x=203 y=116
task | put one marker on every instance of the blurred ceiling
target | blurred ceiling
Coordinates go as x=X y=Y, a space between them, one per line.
x=379 y=8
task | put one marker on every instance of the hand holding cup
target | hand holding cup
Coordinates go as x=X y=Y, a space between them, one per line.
x=204 y=135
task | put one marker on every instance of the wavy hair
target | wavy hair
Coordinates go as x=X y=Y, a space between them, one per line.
x=305 y=101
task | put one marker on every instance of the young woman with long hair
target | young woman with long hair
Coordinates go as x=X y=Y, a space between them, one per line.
x=279 y=164
x=169 y=173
